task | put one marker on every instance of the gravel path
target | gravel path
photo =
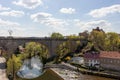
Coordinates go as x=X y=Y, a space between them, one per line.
x=2 y=69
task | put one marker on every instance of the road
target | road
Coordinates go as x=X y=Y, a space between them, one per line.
x=3 y=69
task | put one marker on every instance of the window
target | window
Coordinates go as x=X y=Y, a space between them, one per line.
x=111 y=61
x=118 y=61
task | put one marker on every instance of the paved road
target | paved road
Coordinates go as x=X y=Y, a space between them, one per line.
x=2 y=69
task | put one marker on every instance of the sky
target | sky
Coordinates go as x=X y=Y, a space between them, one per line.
x=40 y=18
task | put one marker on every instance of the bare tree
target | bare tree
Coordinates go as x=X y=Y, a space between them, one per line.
x=10 y=32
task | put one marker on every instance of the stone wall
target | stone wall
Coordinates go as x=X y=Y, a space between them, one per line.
x=10 y=44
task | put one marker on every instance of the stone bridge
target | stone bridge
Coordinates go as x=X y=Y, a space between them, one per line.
x=10 y=44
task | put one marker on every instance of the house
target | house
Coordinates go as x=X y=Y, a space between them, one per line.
x=110 y=60
x=105 y=59
x=91 y=59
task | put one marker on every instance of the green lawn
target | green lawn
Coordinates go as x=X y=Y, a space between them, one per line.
x=48 y=75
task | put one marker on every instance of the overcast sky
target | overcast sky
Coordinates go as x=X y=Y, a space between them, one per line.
x=42 y=17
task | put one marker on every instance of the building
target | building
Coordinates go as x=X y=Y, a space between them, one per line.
x=106 y=60
x=98 y=29
x=91 y=59
x=110 y=60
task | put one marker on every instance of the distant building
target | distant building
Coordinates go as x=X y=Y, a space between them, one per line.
x=110 y=60
x=84 y=34
x=98 y=29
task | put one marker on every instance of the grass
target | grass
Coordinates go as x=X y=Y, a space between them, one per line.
x=48 y=75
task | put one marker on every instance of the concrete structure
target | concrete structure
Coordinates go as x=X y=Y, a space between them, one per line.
x=10 y=44
x=77 y=60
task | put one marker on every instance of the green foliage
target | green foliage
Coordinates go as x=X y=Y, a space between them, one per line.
x=13 y=65
x=66 y=48
x=33 y=48
x=98 y=39
x=112 y=42
x=56 y=35
x=105 y=41
x=9 y=66
x=73 y=37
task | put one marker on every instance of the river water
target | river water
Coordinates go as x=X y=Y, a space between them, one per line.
x=31 y=68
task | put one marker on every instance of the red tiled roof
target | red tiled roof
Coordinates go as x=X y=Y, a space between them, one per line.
x=92 y=56
x=110 y=54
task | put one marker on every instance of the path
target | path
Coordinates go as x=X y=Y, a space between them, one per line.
x=3 y=69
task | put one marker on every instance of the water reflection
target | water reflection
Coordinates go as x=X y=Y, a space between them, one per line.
x=31 y=68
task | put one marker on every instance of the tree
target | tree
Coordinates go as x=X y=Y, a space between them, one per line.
x=90 y=47
x=33 y=48
x=56 y=35
x=13 y=65
x=73 y=37
x=112 y=41
x=98 y=39
x=66 y=48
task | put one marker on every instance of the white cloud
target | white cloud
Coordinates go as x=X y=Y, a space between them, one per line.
x=40 y=17
x=49 y=20
x=3 y=8
x=6 y=23
x=30 y=4
x=12 y=13
x=105 y=11
x=92 y=24
x=67 y=10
